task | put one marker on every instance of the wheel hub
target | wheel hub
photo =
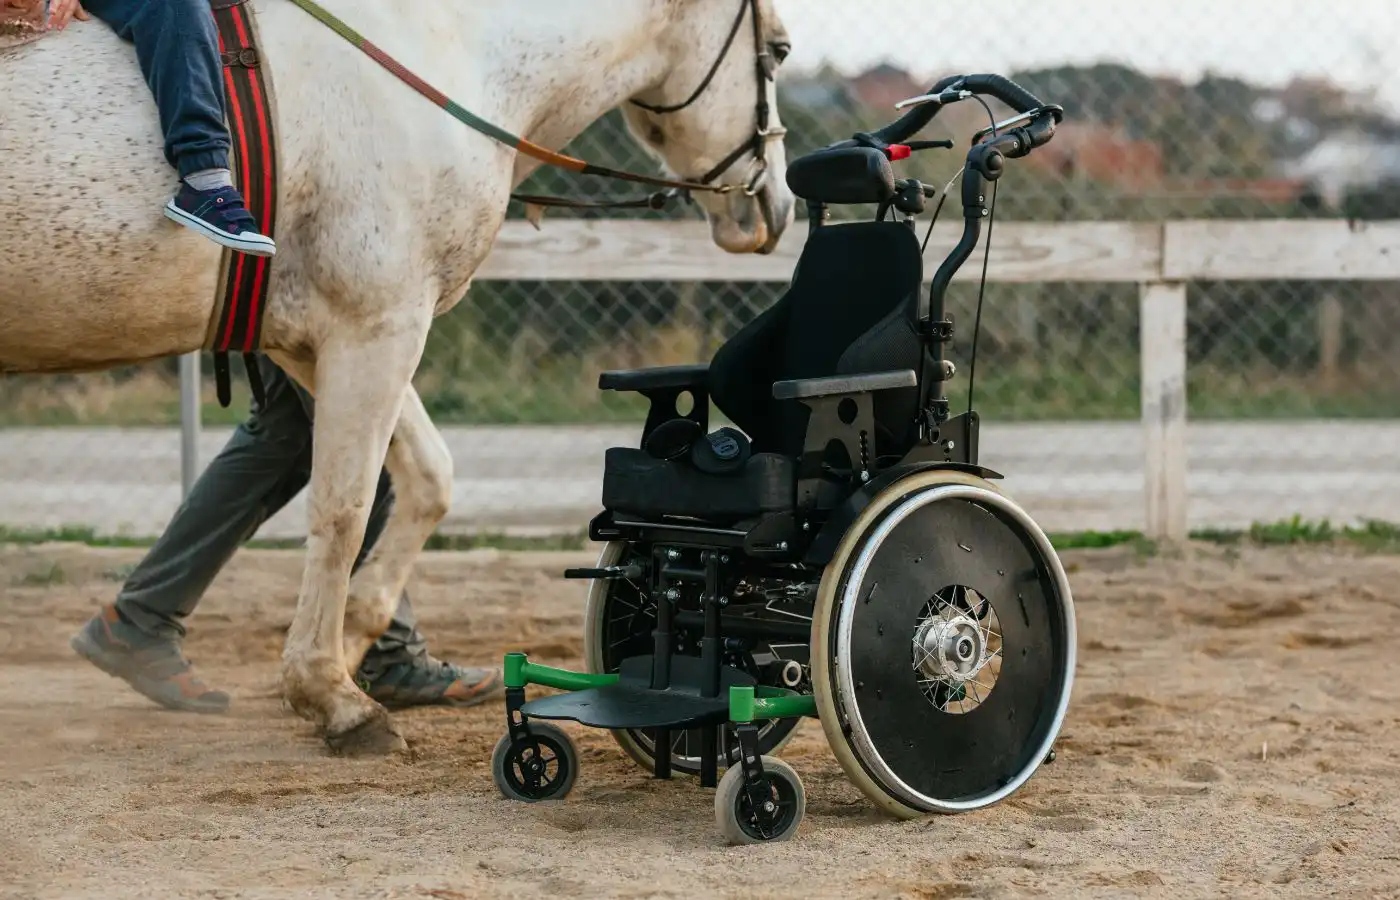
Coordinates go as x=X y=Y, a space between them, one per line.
x=949 y=649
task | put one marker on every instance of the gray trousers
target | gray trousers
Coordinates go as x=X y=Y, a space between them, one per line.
x=262 y=467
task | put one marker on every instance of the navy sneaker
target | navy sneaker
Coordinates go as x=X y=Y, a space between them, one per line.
x=221 y=216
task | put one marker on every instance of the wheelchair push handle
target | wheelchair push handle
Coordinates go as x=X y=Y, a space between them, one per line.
x=951 y=90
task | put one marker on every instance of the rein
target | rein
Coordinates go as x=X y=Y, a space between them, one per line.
x=657 y=200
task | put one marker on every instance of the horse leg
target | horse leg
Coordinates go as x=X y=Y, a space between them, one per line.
x=360 y=382
x=420 y=467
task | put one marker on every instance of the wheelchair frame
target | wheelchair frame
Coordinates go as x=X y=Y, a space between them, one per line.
x=761 y=798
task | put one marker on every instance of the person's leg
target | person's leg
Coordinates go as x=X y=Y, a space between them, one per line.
x=256 y=474
x=177 y=46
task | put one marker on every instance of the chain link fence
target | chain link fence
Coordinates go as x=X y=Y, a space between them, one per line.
x=1267 y=110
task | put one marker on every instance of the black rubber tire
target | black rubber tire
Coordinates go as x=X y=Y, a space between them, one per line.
x=734 y=817
x=839 y=706
x=550 y=737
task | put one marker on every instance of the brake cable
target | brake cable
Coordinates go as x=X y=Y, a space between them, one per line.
x=982 y=287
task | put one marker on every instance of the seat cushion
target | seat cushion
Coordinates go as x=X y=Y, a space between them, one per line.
x=636 y=483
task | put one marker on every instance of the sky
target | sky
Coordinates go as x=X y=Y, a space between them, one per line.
x=1268 y=42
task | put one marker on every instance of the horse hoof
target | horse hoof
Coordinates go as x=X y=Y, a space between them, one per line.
x=375 y=736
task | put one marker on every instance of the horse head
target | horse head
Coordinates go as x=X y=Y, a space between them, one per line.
x=713 y=116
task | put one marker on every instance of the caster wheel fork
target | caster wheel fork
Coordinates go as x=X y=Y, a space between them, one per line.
x=533 y=761
x=759 y=800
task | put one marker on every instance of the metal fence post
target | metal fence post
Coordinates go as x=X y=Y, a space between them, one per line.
x=189 y=421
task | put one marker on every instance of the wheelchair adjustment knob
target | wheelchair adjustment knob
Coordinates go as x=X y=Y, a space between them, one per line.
x=722 y=452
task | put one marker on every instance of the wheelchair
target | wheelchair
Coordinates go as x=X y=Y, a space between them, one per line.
x=837 y=553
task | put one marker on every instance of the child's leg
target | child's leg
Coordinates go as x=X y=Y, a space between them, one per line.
x=178 y=50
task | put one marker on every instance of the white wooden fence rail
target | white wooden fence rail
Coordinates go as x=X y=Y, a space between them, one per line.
x=1158 y=256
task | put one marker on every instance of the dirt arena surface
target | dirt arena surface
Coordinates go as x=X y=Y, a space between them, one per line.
x=1234 y=731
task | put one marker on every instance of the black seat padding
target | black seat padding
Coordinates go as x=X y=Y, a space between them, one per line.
x=635 y=482
x=843 y=175
x=852 y=309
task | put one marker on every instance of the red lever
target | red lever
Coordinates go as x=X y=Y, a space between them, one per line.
x=899 y=151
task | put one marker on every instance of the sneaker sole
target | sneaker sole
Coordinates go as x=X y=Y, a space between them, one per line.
x=263 y=247
x=90 y=651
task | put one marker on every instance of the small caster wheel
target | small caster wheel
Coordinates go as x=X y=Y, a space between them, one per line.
x=772 y=815
x=540 y=767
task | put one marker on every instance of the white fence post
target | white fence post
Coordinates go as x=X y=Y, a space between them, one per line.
x=1163 y=342
x=189 y=421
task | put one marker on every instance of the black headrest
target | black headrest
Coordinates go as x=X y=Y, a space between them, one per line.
x=844 y=175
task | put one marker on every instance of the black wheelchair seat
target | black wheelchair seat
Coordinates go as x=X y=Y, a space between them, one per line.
x=637 y=483
x=852 y=309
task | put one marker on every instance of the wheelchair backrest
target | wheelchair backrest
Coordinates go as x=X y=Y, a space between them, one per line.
x=852 y=308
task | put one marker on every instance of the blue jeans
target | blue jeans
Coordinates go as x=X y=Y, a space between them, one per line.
x=177 y=46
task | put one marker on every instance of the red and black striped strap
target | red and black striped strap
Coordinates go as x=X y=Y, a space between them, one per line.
x=251 y=117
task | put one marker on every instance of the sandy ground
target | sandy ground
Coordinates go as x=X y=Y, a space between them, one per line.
x=1235 y=731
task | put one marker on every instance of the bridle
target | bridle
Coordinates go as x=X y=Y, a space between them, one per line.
x=765 y=68
x=757 y=144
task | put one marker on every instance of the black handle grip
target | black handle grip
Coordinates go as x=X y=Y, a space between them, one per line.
x=1005 y=90
x=998 y=86
x=912 y=122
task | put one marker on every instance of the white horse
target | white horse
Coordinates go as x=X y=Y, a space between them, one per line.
x=388 y=207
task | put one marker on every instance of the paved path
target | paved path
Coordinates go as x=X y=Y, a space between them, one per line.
x=1070 y=476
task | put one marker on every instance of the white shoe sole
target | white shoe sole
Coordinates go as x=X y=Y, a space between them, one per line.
x=259 y=246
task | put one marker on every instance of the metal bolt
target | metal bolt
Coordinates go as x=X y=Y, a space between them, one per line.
x=806 y=526
x=723 y=601
x=782 y=545
x=768 y=806
x=673 y=554
x=948 y=445
x=724 y=558
x=673 y=594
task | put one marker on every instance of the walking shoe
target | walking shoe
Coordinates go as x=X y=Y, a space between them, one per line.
x=221 y=216
x=155 y=667
x=425 y=681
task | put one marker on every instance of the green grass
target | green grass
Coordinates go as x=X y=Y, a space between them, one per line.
x=485 y=390
x=1373 y=536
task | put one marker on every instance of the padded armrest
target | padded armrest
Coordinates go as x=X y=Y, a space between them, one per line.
x=658 y=378
x=803 y=388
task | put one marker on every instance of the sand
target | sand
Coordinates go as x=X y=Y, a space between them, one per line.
x=1234 y=731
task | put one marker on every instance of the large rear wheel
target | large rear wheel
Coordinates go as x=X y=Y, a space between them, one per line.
x=943 y=646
